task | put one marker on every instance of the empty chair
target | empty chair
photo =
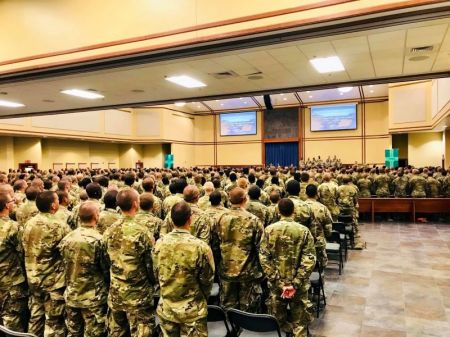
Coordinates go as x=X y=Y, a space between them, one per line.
x=253 y=324
x=9 y=333
x=217 y=322
x=318 y=289
x=334 y=250
x=347 y=219
x=345 y=237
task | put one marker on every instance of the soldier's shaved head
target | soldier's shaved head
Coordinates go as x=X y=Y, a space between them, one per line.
x=8 y=189
x=191 y=193
x=286 y=207
x=237 y=196
x=126 y=199
x=180 y=213
x=146 y=201
x=242 y=183
x=88 y=212
x=209 y=187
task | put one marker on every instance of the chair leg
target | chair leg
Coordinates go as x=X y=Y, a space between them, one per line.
x=318 y=302
x=323 y=293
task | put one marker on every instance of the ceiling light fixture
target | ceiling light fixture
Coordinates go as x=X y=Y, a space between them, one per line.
x=186 y=81
x=284 y=99
x=180 y=103
x=341 y=93
x=88 y=94
x=9 y=104
x=345 y=89
x=310 y=96
x=327 y=64
x=371 y=91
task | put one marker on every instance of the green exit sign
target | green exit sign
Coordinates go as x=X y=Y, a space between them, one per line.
x=391 y=157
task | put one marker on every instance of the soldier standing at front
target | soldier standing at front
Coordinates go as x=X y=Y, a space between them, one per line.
x=128 y=245
x=87 y=276
x=239 y=234
x=13 y=286
x=44 y=267
x=288 y=257
x=184 y=266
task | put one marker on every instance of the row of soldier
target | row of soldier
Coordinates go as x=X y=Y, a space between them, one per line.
x=235 y=236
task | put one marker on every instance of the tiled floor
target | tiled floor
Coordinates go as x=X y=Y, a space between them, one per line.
x=398 y=287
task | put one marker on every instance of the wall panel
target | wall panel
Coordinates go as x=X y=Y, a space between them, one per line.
x=425 y=148
x=88 y=121
x=118 y=122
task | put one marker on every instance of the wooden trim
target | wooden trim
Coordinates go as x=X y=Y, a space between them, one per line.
x=281 y=140
x=263 y=135
x=299 y=131
x=189 y=29
x=240 y=33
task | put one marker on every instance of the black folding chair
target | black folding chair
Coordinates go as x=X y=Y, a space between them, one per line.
x=334 y=250
x=217 y=322
x=347 y=219
x=253 y=324
x=340 y=227
x=9 y=333
x=317 y=286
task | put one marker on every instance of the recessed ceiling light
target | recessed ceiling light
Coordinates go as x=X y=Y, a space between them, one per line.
x=341 y=93
x=245 y=102
x=371 y=91
x=186 y=81
x=88 y=94
x=281 y=94
x=345 y=89
x=221 y=104
x=241 y=97
x=327 y=64
x=310 y=96
x=371 y=86
x=308 y=92
x=284 y=99
x=48 y=101
x=198 y=106
x=180 y=103
x=9 y=104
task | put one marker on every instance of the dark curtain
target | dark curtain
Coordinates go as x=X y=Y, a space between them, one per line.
x=283 y=154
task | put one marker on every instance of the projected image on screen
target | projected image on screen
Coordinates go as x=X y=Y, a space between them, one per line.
x=238 y=123
x=333 y=117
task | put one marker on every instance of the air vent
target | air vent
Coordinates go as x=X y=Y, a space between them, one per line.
x=224 y=74
x=421 y=50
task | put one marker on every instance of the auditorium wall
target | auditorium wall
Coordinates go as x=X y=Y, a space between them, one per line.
x=425 y=148
x=365 y=144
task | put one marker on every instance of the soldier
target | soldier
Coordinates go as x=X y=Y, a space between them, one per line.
x=232 y=184
x=400 y=185
x=94 y=192
x=200 y=224
x=327 y=192
x=302 y=211
x=347 y=200
x=203 y=202
x=145 y=216
x=20 y=187
x=445 y=181
x=178 y=187
x=129 y=245
x=185 y=278
x=13 y=286
x=87 y=276
x=148 y=185
x=223 y=194
x=63 y=212
x=239 y=234
x=273 y=208
x=433 y=186
x=255 y=207
x=304 y=181
x=365 y=186
x=44 y=267
x=215 y=209
x=275 y=185
x=324 y=225
x=418 y=185
x=381 y=184
x=287 y=255
x=109 y=214
x=28 y=209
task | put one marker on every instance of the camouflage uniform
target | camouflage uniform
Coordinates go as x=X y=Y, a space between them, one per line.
x=347 y=201
x=433 y=188
x=157 y=206
x=106 y=219
x=303 y=186
x=259 y=210
x=239 y=234
x=26 y=211
x=274 y=213
x=365 y=187
x=185 y=281
x=63 y=213
x=287 y=255
x=203 y=202
x=150 y=221
x=74 y=219
x=418 y=186
x=381 y=185
x=200 y=224
x=13 y=286
x=87 y=278
x=327 y=196
x=169 y=202
x=128 y=245
x=400 y=185
x=214 y=213
x=45 y=272
x=323 y=228
x=264 y=198
x=303 y=213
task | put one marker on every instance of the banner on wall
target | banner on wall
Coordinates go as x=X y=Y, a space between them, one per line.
x=168 y=161
x=391 y=158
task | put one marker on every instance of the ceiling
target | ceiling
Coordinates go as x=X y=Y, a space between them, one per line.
x=371 y=56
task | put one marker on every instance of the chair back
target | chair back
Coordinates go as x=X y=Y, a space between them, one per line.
x=339 y=227
x=345 y=218
x=216 y=314
x=252 y=322
x=334 y=237
x=6 y=332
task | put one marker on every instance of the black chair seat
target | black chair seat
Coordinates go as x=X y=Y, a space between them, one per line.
x=253 y=325
x=217 y=322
